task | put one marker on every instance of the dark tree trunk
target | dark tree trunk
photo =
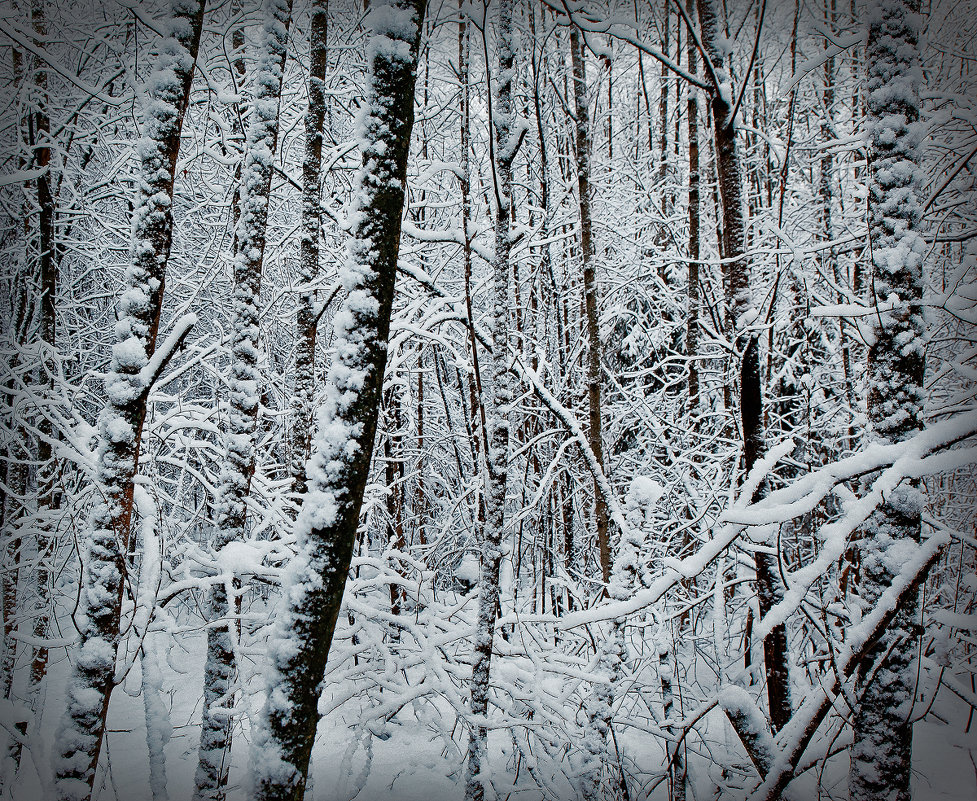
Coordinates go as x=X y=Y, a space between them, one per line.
x=594 y=436
x=305 y=316
x=881 y=760
x=739 y=315
x=327 y=525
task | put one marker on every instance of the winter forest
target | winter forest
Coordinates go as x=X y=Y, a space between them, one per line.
x=488 y=400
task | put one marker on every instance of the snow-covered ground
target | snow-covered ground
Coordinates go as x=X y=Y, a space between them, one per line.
x=407 y=760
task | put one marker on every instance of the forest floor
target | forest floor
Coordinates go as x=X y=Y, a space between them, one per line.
x=408 y=761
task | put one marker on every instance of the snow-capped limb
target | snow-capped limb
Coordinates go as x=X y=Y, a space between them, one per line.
x=678 y=570
x=164 y=353
x=568 y=419
x=908 y=466
x=343 y=443
x=624 y=29
x=792 y=741
x=26 y=42
x=835 y=48
x=750 y=726
x=106 y=543
x=910 y=457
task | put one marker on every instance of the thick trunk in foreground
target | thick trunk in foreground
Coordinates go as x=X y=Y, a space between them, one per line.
x=127 y=385
x=497 y=398
x=214 y=753
x=740 y=314
x=881 y=758
x=343 y=445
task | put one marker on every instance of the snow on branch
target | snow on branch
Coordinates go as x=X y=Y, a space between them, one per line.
x=913 y=458
x=794 y=738
x=750 y=726
x=167 y=350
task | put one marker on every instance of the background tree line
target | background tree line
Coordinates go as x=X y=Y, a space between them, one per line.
x=585 y=388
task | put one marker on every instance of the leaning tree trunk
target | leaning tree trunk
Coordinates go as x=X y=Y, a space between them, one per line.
x=740 y=314
x=497 y=398
x=882 y=750
x=133 y=368
x=214 y=754
x=343 y=445
x=305 y=315
x=594 y=435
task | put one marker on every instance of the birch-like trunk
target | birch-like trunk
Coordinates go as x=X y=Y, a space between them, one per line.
x=214 y=754
x=497 y=398
x=343 y=443
x=127 y=386
x=692 y=320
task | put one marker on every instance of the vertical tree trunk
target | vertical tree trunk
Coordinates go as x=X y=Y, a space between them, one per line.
x=882 y=749
x=214 y=753
x=13 y=492
x=740 y=315
x=594 y=436
x=305 y=316
x=662 y=173
x=692 y=322
x=343 y=445
x=127 y=386
x=500 y=394
x=47 y=500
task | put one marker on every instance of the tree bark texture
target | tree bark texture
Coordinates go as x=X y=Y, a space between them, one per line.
x=343 y=444
x=213 y=756
x=591 y=301
x=881 y=760
x=740 y=313
x=497 y=399
x=127 y=386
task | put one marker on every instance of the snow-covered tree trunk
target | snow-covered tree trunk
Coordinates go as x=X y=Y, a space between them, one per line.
x=740 y=315
x=47 y=500
x=343 y=443
x=882 y=749
x=308 y=265
x=13 y=492
x=692 y=320
x=497 y=398
x=594 y=436
x=598 y=711
x=131 y=373
x=158 y=727
x=243 y=389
